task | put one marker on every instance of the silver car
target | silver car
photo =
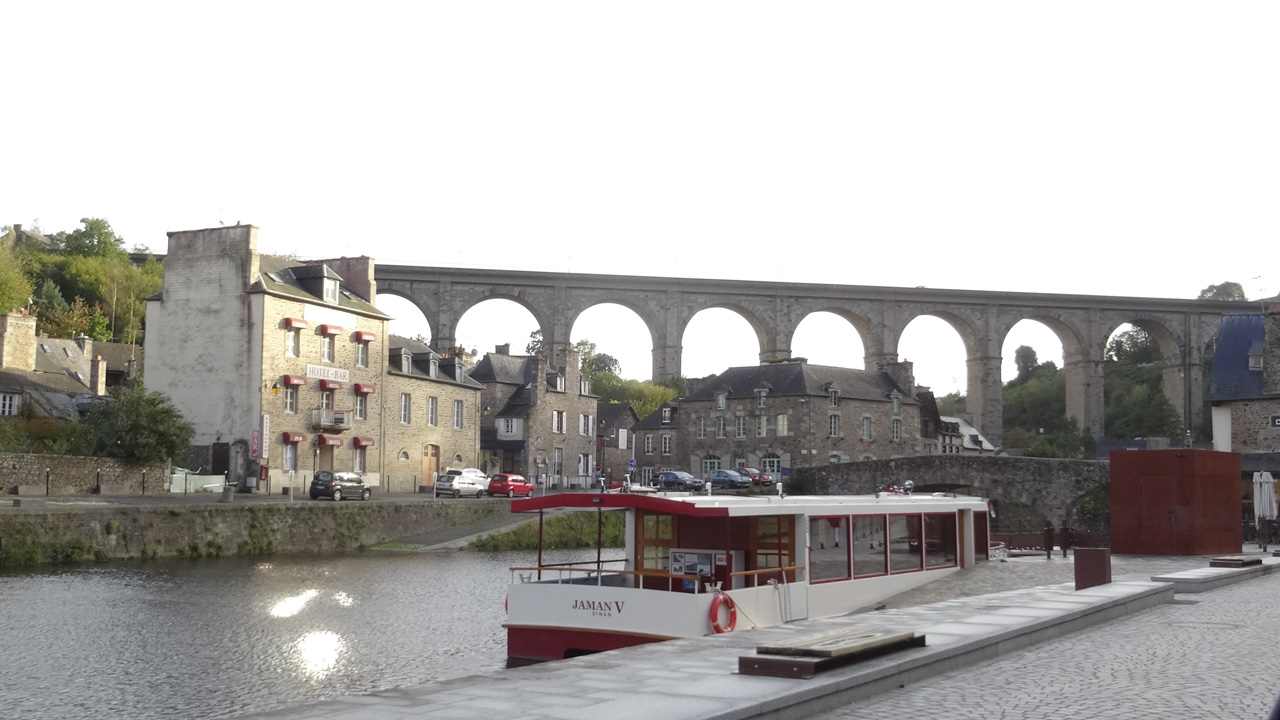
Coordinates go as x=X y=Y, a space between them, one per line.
x=462 y=481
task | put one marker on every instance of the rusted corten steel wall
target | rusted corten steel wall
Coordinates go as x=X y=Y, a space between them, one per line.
x=1175 y=502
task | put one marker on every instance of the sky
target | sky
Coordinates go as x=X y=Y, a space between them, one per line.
x=1091 y=147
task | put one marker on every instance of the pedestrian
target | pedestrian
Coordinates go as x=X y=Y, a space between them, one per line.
x=1048 y=541
x=1064 y=539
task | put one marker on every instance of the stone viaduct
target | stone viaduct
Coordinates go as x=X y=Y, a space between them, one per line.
x=1182 y=328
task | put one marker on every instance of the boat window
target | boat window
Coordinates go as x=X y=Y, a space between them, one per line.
x=940 y=540
x=904 y=543
x=655 y=542
x=868 y=546
x=828 y=548
x=773 y=545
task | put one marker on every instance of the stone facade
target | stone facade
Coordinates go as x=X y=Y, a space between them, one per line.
x=1246 y=389
x=658 y=442
x=616 y=440
x=76 y=475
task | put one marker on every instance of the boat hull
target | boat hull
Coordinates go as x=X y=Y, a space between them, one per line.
x=526 y=645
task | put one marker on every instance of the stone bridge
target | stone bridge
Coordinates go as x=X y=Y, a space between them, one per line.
x=1051 y=486
x=1182 y=328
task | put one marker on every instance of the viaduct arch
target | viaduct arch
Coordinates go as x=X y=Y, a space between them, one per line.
x=1182 y=328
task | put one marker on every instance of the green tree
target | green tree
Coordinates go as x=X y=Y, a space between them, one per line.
x=952 y=404
x=590 y=361
x=48 y=299
x=1223 y=291
x=644 y=396
x=1025 y=358
x=15 y=289
x=95 y=239
x=137 y=426
x=1133 y=346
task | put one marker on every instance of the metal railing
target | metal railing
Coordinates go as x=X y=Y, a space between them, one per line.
x=328 y=418
x=527 y=575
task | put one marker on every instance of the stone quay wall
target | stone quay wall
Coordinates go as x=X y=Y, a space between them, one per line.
x=216 y=529
x=1050 y=485
x=77 y=475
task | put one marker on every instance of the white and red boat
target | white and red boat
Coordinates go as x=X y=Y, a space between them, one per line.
x=696 y=565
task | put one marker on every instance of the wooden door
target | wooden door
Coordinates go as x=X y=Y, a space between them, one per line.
x=430 y=464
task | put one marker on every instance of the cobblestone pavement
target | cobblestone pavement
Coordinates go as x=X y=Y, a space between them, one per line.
x=1207 y=655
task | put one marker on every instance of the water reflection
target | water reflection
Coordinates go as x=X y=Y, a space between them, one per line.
x=291 y=606
x=319 y=652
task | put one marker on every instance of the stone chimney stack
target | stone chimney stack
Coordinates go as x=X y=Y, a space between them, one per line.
x=902 y=373
x=86 y=345
x=503 y=349
x=18 y=341
x=357 y=275
x=98 y=375
x=1271 y=351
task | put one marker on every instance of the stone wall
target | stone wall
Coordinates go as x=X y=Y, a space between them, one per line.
x=305 y=527
x=1049 y=485
x=76 y=475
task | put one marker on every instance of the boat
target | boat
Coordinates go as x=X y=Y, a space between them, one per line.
x=695 y=565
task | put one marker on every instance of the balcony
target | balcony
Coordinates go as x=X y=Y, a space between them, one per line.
x=330 y=420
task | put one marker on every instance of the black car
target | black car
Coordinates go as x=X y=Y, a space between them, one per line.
x=338 y=485
x=677 y=480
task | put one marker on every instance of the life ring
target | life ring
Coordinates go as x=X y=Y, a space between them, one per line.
x=719 y=600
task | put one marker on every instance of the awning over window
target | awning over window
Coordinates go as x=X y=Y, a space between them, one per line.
x=328 y=440
x=293 y=437
x=362 y=442
x=328 y=329
x=293 y=380
x=362 y=389
x=294 y=323
x=361 y=336
x=330 y=385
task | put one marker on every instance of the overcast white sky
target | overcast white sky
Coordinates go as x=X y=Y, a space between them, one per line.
x=1122 y=148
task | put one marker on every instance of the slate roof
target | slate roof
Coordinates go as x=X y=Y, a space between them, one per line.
x=792 y=379
x=518 y=405
x=608 y=415
x=280 y=276
x=504 y=369
x=653 y=421
x=421 y=365
x=1231 y=378
x=59 y=357
x=973 y=440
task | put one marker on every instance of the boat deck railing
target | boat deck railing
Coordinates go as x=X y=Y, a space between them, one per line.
x=594 y=574
x=783 y=575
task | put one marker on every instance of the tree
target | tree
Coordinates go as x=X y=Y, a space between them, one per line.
x=1134 y=346
x=1223 y=291
x=95 y=239
x=1025 y=358
x=15 y=289
x=644 y=396
x=137 y=426
x=590 y=362
x=952 y=404
x=48 y=299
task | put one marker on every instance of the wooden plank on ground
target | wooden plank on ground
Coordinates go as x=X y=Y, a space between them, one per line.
x=804 y=667
x=835 y=643
x=1235 y=561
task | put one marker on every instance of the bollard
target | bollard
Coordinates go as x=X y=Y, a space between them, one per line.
x=46 y=482
x=1093 y=567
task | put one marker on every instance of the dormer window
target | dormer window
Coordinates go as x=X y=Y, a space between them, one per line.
x=435 y=368
x=559 y=380
x=584 y=387
x=897 y=404
x=760 y=395
x=406 y=363
x=666 y=415
x=1255 y=362
x=835 y=398
x=331 y=291
x=720 y=400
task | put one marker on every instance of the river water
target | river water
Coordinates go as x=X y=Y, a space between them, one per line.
x=216 y=638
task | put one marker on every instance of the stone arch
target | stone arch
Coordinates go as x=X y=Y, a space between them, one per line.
x=1176 y=356
x=474 y=300
x=1083 y=373
x=429 y=310
x=757 y=325
x=860 y=324
x=639 y=310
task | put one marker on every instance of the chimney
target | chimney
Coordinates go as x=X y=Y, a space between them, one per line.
x=902 y=373
x=18 y=341
x=17 y=230
x=86 y=345
x=1271 y=351
x=98 y=375
x=503 y=349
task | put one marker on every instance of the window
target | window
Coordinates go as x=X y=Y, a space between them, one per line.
x=762 y=426
x=666 y=414
x=434 y=368
x=772 y=464
x=897 y=429
x=656 y=539
x=780 y=426
x=559 y=383
x=833 y=426
x=559 y=422
x=866 y=428
x=330 y=291
x=939 y=540
x=720 y=401
x=290 y=399
x=868 y=546
x=741 y=429
x=835 y=398
x=457 y=414
x=828 y=548
x=666 y=444
x=362 y=354
x=1255 y=362
x=648 y=444
x=292 y=341
x=326 y=400
x=710 y=464
x=406 y=363
x=358 y=461
x=557 y=465
x=290 y=460
x=507 y=426
x=904 y=543
x=835 y=459
x=760 y=398
x=897 y=404
x=326 y=348
x=739 y=462
x=720 y=427
x=584 y=386
x=584 y=425
x=404 y=408
x=432 y=411
x=701 y=425
x=361 y=404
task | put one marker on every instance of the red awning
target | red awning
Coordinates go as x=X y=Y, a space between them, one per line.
x=330 y=385
x=293 y=437
x=328 y=440
x=294 y=323
x=293 y=380
x=328 y=329
x=362 y=389
x=362 y=442
x=361 y=336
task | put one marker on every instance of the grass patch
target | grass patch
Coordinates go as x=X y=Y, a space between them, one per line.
x=574 y=530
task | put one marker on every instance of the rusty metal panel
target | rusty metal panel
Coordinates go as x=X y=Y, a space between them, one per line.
x=1175 y=502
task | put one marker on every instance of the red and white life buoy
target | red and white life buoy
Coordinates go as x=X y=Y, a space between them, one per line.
x=723 y=600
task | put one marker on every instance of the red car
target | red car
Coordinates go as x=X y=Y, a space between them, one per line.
x=757 y=477
x=510 y=484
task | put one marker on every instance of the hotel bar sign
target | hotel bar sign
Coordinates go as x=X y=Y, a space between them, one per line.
x=323 y=372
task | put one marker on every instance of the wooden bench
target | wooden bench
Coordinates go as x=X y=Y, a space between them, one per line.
x=805 y=657
x=1235 y=561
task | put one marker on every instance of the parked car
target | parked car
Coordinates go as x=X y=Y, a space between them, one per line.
x=462 y=481
x=730 y=480
x=757 y=476
x=338 y=485
x=510 y=484
x=677 y=480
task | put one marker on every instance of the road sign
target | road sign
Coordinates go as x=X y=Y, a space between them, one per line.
x=631 y=464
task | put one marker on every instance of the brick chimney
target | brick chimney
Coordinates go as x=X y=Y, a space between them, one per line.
x=1271 y=351
x=98 y=375
x=18 y=341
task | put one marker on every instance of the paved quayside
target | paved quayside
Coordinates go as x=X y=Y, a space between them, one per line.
x=697 y=678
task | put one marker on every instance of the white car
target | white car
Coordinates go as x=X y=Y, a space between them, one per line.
x=462 y=481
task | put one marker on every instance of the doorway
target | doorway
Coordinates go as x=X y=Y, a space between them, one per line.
x=430 y=464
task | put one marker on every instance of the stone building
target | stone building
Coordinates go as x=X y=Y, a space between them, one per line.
x=615 y=440
x=657 y=441
x=52 y=377
x=1245 y=389
x=275 y=362
x=958 y=437
x=793 y=414
x=433 y=415
x=538 y=420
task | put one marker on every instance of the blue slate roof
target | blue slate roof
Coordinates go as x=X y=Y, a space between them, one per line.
x=1231 y=378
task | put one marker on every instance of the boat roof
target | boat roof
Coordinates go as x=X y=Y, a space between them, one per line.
x=739 y=505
